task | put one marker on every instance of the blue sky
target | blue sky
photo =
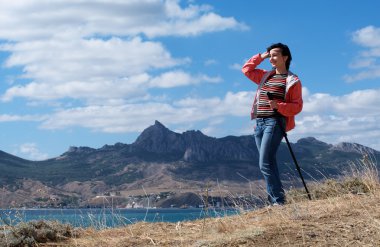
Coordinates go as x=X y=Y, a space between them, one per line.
x=91 y=73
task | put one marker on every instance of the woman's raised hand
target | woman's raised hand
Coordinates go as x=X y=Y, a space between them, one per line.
x=265 y=55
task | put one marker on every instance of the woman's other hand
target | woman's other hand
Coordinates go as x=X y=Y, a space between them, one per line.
x=273 y=104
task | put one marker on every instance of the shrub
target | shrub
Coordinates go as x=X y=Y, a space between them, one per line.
x=33 y=232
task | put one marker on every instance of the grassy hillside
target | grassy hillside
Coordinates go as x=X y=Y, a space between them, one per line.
x=350 y=220
x=343 y=212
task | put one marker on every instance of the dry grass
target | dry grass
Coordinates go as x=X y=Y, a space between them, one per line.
x=349 y=220
x=343 y=213
x=362 y=177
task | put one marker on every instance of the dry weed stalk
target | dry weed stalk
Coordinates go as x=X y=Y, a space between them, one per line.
x=361 y=177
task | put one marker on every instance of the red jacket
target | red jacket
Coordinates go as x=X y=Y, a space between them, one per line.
x=293 y=92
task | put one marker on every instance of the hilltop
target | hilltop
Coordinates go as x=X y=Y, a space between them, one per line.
x=343 y=221
x=342 y=213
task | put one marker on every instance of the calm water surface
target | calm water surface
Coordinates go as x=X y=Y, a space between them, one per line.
x=102 y=218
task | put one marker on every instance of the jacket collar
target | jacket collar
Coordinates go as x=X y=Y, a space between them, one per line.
x=290 y=80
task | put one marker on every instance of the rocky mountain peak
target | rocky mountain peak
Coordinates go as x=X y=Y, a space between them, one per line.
x=311 y=140
x=158 y=130
x=78 y=150
x=158 y=139
x=158 y=124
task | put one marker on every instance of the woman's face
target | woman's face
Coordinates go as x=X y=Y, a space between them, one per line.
x=277 y=59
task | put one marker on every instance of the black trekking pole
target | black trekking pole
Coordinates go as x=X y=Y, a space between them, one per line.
x=270 y=96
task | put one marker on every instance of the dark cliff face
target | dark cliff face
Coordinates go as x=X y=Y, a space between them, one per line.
x=159 y=139
x=312 y=141
x=194 y=146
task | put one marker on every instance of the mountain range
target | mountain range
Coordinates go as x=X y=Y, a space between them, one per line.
x=163 y=161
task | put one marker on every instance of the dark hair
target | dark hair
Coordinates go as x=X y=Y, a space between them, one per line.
x=284 y=51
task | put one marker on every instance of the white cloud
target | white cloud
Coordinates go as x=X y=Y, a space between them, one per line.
x=362 y=63
x=353 y=104
x=180 y=78
x=133 y=87
x=209 y=22
x=369 y=73
x=368 y=36
x=94 y=49
x=233 y=104
x=30 y=151
x=85 y=68
x=19 y=118
x=135 y=117
x=32 y=19
x=58 y=61
x=352 y=117
x=367 y=60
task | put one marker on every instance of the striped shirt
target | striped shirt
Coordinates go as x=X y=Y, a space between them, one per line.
x=276 y=85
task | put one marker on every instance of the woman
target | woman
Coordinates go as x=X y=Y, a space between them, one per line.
x=286 y=89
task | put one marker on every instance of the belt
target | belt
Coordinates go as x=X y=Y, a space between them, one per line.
x=264 y=117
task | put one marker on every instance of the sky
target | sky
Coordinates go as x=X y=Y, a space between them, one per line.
x=98 y=72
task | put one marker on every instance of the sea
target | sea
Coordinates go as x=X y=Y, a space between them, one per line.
x=101 y=218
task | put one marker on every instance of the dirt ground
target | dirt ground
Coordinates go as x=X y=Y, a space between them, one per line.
x=350 y=220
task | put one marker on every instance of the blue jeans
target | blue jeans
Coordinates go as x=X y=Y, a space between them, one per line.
x=268 y=136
